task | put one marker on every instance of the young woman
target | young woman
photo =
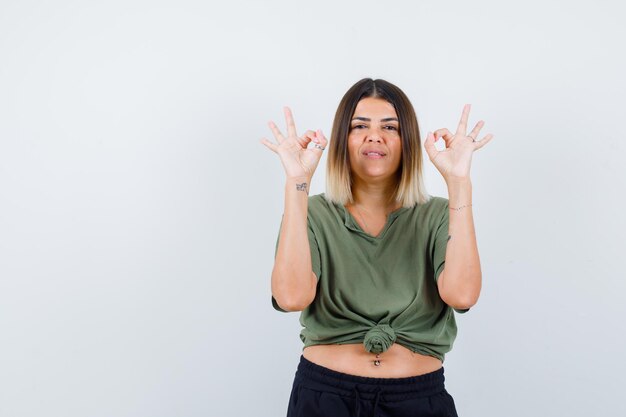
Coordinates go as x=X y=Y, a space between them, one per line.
x=364 y=261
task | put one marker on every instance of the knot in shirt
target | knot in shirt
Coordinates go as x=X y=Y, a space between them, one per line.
x=379 y=338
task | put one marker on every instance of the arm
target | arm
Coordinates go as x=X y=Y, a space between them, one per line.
x=293 y=281
x=460 y=281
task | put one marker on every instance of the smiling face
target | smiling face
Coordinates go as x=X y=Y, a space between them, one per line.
x=374 y=142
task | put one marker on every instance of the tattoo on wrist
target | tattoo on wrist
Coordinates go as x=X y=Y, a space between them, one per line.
x=302 y=187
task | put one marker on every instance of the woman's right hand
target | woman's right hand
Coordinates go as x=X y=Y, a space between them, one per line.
x=298 y=160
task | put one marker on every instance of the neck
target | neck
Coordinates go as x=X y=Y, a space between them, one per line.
x=374 y=197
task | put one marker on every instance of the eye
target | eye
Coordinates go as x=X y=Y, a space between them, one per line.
x=391 y=127
x=358 y=126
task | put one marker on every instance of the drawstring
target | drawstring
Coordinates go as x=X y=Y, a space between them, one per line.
x=376 y=401
x=357 y=401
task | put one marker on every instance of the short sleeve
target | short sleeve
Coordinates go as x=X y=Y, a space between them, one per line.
x=315 y=256
x=441 y=243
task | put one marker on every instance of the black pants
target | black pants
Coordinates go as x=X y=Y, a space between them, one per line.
x=322 y=392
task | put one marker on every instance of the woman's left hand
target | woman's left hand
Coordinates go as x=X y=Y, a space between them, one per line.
x=455 y=160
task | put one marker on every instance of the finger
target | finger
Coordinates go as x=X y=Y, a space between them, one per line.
x=308 y=136
x=444 y=133
x=474 y=133
x=272 y=147
x=429 y=145
x=321 y=138
x=463 y=123
x=277 y=134
x=291 y=125
x=483 y=141
x=320 y=141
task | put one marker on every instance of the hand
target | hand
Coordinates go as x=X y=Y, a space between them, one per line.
x=297 y=159
x=454 y=161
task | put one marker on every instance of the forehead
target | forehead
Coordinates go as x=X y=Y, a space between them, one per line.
x=374 y=108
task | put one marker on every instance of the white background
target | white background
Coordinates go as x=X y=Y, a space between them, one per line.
x=139 y=212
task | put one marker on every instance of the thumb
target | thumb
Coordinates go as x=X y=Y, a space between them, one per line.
x=429 y=145
x=320 y=141
x=320 y=138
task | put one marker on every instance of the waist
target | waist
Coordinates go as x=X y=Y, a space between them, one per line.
x=353 y=359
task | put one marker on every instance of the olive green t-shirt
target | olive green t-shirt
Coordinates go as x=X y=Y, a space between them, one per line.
x=378 y=290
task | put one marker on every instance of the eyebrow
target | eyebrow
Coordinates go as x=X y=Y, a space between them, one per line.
x=367 y=119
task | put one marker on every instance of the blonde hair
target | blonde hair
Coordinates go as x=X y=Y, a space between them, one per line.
x=410 y=189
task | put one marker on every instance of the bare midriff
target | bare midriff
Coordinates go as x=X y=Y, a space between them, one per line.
x=353 y=359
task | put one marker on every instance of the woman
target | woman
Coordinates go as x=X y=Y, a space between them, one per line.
x=364 y=262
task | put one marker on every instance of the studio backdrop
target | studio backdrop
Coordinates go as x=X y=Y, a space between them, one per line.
x=139 y=212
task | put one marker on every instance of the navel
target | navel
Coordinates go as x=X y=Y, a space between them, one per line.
x=377 y=361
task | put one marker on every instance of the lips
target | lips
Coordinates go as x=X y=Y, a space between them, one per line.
x=374 y=153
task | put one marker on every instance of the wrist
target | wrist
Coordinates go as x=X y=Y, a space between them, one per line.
x=458 y=181
x=459 y=192
x=299 y=179
x=299 y=184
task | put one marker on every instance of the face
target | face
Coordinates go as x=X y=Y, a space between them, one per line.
x=374 y=142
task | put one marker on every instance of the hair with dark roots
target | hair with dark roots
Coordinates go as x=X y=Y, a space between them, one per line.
x=410 y=189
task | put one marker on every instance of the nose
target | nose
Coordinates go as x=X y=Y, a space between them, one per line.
x=374 y=137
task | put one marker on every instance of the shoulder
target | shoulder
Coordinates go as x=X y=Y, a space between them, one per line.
x=430 y=214
x=319 y=204
x=438 y=203
x=435 y=206
x=440 y=210
x=322 y=211
x=316 y=199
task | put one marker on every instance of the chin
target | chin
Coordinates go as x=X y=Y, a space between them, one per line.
x=375 y=175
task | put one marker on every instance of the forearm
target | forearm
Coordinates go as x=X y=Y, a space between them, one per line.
x=292 y=273
x=462 y=273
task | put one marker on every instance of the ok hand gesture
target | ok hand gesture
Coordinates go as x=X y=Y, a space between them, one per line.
x=455 y=160
x=297 y=159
